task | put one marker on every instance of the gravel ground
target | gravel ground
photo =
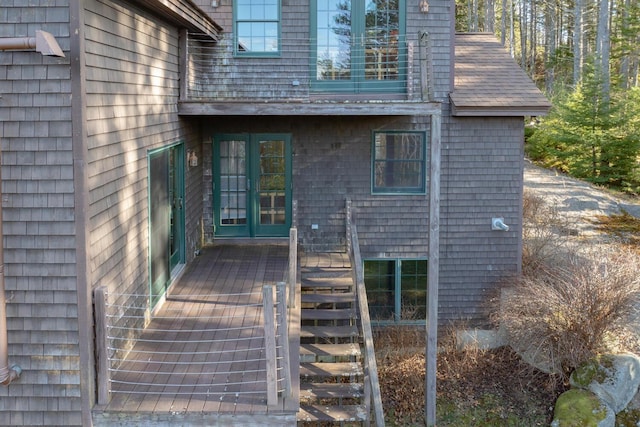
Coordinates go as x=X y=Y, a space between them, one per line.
x=580 y=201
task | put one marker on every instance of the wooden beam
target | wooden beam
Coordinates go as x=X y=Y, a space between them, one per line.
x=256 y=108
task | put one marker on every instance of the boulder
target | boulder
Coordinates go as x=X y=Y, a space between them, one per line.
x=614 y=378
x=582 y=408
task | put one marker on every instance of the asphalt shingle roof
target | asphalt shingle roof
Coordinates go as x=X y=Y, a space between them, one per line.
x=488 y=82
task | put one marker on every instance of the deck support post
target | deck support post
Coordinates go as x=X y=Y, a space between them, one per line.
x=270 y=345
x=283 y=336
x=102 y=362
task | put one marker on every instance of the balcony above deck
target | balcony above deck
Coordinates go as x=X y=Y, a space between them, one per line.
x=300 y=108
x=381 y=77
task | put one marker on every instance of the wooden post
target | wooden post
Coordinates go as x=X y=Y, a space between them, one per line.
x=100 y=297
x=425 y=68
x=270 y=345
x=348 y=220
x=293 y=265
x=283 y=328
x=433 y=276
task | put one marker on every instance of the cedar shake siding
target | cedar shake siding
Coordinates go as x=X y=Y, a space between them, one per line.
x=38 y=220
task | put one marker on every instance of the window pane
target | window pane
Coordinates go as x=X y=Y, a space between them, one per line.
x=399 y=162
x=381 y=40
x=257 y=25
x=413 y=281
x=379 y=279
x=333 y=44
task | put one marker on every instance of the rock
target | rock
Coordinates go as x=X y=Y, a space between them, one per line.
x=582 y=408
x=614 y=378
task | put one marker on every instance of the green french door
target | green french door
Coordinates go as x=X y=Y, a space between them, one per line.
x=166 y=217
x=252 y=185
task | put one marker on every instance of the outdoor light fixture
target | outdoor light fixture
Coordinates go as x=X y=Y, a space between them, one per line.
x=424 y=6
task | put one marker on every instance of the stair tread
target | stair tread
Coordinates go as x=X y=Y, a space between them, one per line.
x=328 y=314
x=349 y=349
x=326 y=282
x=330 y=369
x=316 y=413
x=328 y=331
x=320 y=298
x=330 y=390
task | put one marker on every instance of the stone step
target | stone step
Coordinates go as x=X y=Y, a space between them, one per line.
x=323 y=413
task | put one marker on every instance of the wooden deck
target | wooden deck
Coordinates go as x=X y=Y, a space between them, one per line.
x=218 y=366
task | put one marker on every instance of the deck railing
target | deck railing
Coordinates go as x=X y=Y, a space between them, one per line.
x=238 y=341
x=372 y=394
x=392 y=66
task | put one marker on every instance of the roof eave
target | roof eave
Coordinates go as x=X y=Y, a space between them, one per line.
x=185 y=13
x=480 y=111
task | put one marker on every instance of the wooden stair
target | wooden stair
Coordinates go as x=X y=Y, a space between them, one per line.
x=331 y=365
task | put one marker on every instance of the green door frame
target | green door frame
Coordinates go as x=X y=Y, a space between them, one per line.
x=242 y=186
x=165 y=171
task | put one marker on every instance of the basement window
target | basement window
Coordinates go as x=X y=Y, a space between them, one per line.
x=396 y=290
x=399 y=162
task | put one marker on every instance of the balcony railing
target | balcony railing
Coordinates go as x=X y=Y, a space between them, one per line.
x=385 y=68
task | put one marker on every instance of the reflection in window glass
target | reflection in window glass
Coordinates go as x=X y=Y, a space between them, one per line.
x=396 y=290
x=257 y=26
x=399 y=162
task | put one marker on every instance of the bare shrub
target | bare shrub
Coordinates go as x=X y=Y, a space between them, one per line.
x=563 y=315
x=545 y=233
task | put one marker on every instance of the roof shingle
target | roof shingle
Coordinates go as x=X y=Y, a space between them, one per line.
x=488 y=82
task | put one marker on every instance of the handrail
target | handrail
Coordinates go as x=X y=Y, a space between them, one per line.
x=372 y=385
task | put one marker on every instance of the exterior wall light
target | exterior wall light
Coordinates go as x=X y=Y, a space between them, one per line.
x=424 y=6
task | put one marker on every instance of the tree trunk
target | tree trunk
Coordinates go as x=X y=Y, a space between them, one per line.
x=577 y=41
x=503 y=23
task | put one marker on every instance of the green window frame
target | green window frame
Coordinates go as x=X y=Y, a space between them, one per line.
x=399 y=162
x=396 y=290
x=256 y=27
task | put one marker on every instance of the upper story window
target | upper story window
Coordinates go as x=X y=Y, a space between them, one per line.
x=399 y=162
x=257 y=27
x=358 y=45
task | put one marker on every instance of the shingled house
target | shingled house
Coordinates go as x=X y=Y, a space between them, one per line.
x=174 y=125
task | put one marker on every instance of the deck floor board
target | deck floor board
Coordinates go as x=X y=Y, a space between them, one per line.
x=218 y=297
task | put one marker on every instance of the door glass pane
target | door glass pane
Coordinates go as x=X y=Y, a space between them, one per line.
x=382 y=27
x=333 y=45
x=160 y=214
x=233 y=183
x=272 y=182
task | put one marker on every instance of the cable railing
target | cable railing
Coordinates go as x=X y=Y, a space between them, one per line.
x=379 y=67
x=213 y=346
